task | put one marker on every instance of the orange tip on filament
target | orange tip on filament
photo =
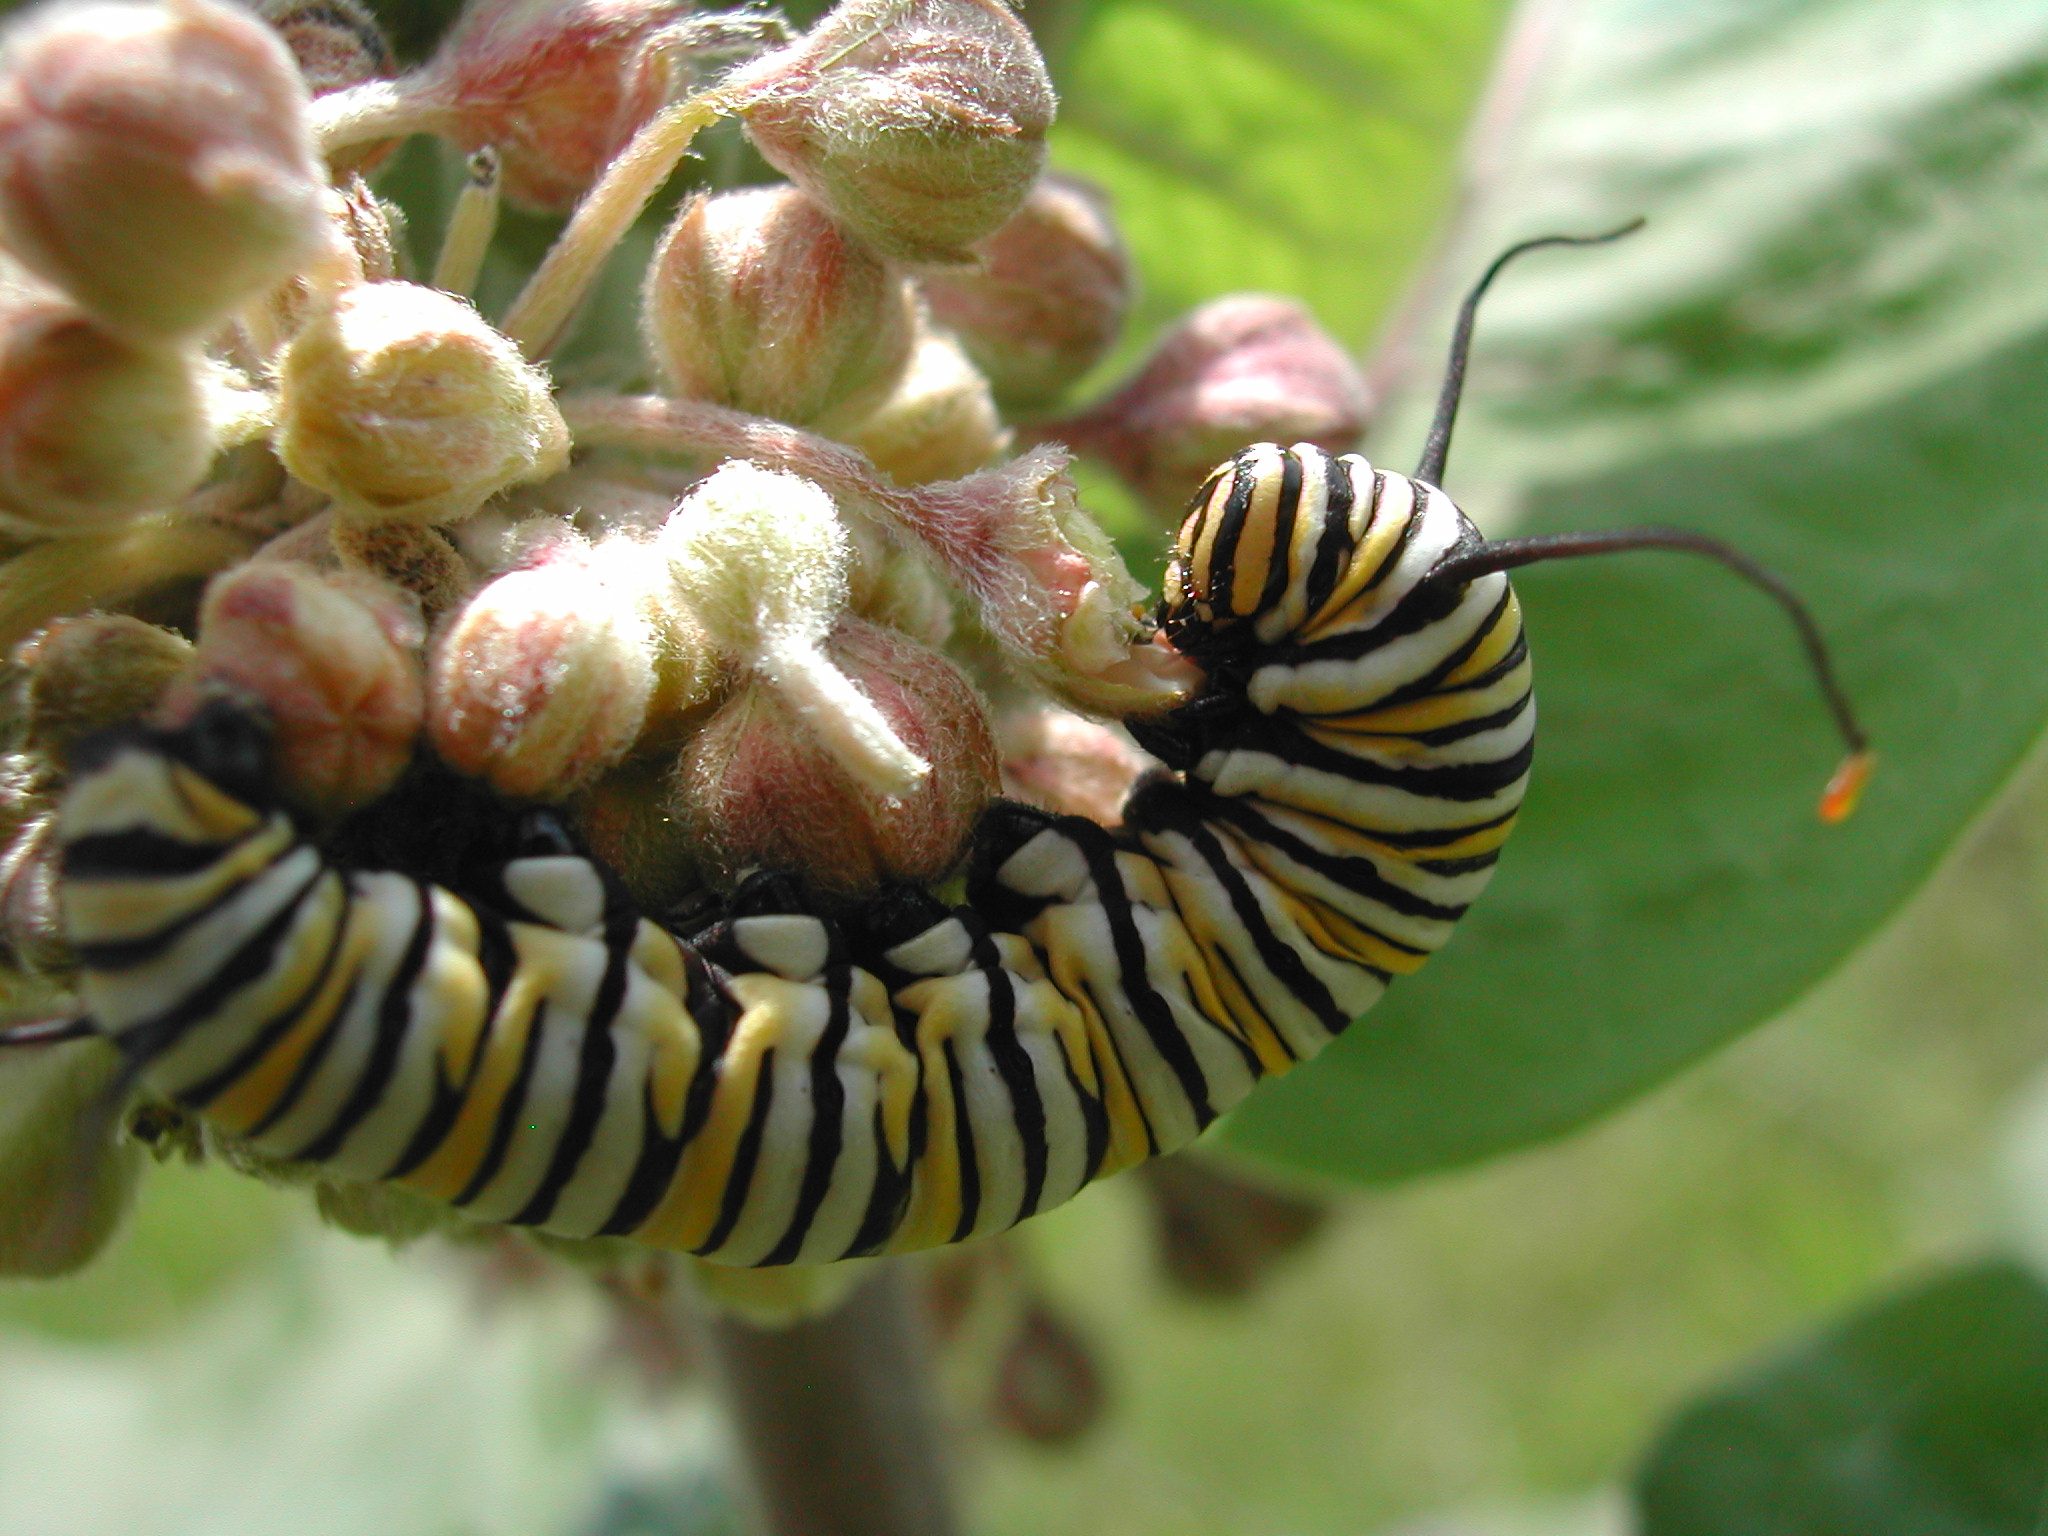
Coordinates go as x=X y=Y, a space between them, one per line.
x=1845 y=787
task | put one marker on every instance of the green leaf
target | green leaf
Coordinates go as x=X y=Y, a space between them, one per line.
x=1299 y=146
x=1924 y=1415
x=1797 y=354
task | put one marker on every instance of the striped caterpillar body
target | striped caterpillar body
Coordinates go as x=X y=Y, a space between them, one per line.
x=779 y=1087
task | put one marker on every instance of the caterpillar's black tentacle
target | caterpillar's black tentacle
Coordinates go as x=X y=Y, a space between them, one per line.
x=1436 y=448
x=779 y=1087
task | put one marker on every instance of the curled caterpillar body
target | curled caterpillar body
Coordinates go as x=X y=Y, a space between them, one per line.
x=780 y=1088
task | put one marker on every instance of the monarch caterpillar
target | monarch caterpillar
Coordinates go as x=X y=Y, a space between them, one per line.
x=779 y=1086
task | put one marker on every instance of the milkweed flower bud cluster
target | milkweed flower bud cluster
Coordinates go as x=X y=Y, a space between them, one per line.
x=251 y=442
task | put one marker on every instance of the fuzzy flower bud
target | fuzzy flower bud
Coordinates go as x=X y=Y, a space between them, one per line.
x=94 y=430
x=757 y=300
x=919 y=123
x=540 y=681
x=558 y=87
x=1048 y=300
x=759 y=561
x=760 y=788
x=81 y=674
x=335 y=661
x=401 y=402
x=1242 y=369
x=155 y=161
x=940 y=423
x=64 y=1179
x=336 y=43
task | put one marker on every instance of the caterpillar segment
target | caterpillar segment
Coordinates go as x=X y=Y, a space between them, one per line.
x=778 y=1087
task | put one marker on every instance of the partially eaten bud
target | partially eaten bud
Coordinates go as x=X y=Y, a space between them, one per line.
x=1049 y=584
x=760 y=787
x=94 y=430
x=155 y=161
x=558 y=87
x=335 y=663
x=1048 y=300
x=1074 y=767
x=941 y=422
x=1241 y=369
x=401 y=402
x=541 y=681
x=919 y=123
x=757 y=300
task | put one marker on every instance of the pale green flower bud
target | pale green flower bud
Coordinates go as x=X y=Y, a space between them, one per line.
x=81 y=674
x=941 y=422
x=919 y=123
x=155 y=161
x=757 y=300
x=65 y=1181
x=401 y=402
x=94 y=430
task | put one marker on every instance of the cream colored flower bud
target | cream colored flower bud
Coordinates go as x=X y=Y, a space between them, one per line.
x=80 y=675
x=760 y=788
x=1048 y=300
x=1242 y=369
x=335 y=662
x=94 y=430
x=759 y=562
x=940 y=424
x=401 y=402
x=757 y=300
x=919 y=123
x=65 y=1181
x=541 y=681
x=155 y=161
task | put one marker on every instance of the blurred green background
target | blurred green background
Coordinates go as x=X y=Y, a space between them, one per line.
x=1831 y=343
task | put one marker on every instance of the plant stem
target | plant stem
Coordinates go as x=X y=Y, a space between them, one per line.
x=833 y=1416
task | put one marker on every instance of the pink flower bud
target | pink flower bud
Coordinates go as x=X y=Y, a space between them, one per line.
x=335 y=661
x=1242 y=369
x=919 y=123
x=155 y=161
x=757 y=300
x=628 y=821
x=759 y=788
x=1064 y=763
x=1048 y=300
x=401 y=402
x=558 y=87
x=540 y=681
x=94 y=430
